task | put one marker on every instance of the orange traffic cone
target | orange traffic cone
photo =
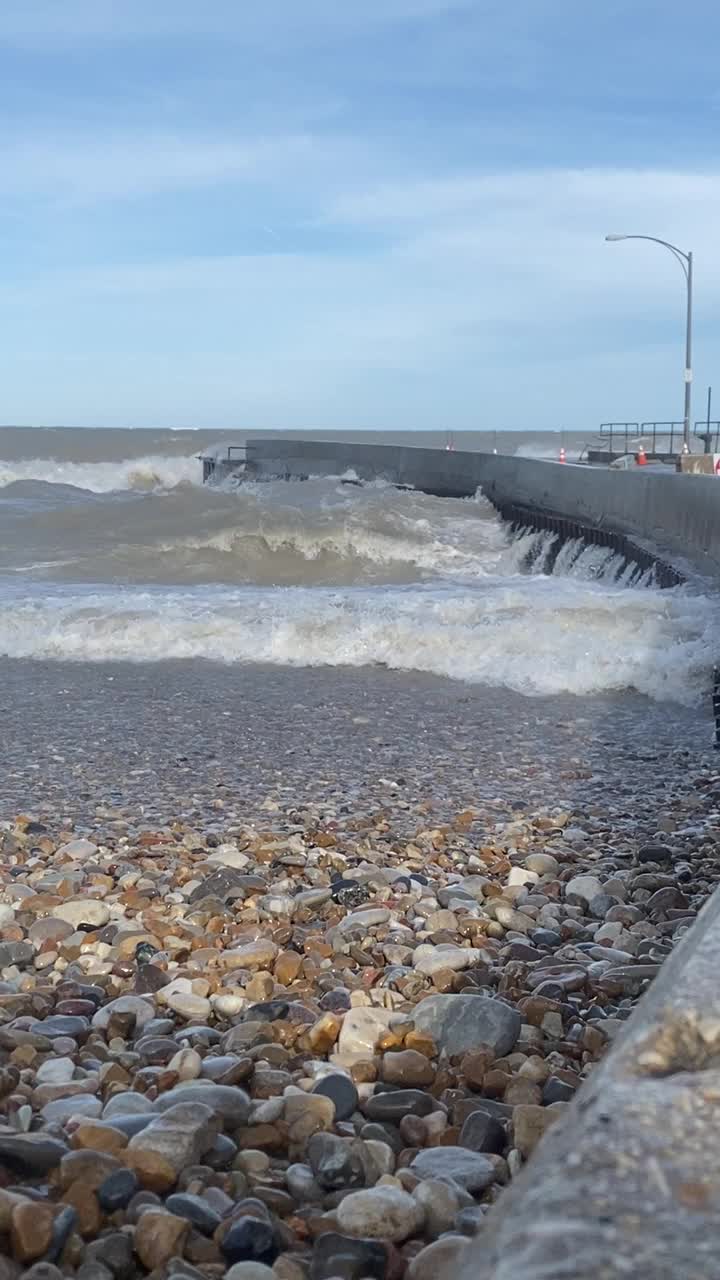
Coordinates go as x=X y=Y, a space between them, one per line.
x=562 y=457
x=641 y=457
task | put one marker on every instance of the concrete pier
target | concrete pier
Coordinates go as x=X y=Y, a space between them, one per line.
x=671 y=518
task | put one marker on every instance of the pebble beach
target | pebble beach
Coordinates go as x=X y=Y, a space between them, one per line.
x=297 y=966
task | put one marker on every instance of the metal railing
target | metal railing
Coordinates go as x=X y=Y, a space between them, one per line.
x=663 y=439
x=672 y=433
x=709 y=433
x=616 y=437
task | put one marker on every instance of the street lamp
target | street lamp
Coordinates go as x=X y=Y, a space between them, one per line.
x=686 y=262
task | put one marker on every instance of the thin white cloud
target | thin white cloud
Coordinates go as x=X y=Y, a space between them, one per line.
x=87 y=168
x=41 y=21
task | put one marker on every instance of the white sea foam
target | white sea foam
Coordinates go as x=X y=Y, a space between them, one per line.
x=151 y=472
x=536 y=635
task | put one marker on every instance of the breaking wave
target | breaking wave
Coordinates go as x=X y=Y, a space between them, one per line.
x=137 y=474
x=535 y=635
x=321 y=573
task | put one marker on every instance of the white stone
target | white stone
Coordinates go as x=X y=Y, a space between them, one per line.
x=519 y=875
x=189 y=1006
x=542 y=863
x=585 y=887
x=250 y=955
x=79 y=911
x=430 y=960
x=55 y=1071
x=228 y=855
x=379 y=1213
x=79 y=850
x=227 y=1005
x=510 y=918
x=187 y=1063
x=439 y=1202
x=138 y=1005
x=361 y=1029
x=364 y=919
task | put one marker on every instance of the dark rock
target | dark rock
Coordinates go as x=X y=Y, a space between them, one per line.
x=19 y=953
x=140 y=1201
x=222 y=884
x=114 y=1251
x=483 y=1132
x=348 y=1258
x=206 y=1035
x=470 y=1220
x=545 y=938
x=155 y=1027
x=63 y=1025
x=150 y=978
x=41 y=1271
x=231 y=1103
x=335 y=1001
x=464 y=1107
x=342 y=1091
x=250 y=1240
x=266 y=1011
x=222 y=1152
x=156 y=1050
x=459 y=1023
x=348 y=893
x=30 y=1154
x=655 y=853
x=117 y=1190
x=195 y=1210
x=397 y=1103
x=555 y=1090
x=93 y=1271
x=333 y=1162
x=63 y=1226
x=387 y=1133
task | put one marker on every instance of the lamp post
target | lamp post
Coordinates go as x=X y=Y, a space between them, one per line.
x=686 y=262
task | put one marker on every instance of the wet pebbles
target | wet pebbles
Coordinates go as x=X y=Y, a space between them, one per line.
x=264 y=1017
x=212 y=1057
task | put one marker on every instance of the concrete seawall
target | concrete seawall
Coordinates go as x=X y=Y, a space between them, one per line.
x=629 y=1183
x=675 y=517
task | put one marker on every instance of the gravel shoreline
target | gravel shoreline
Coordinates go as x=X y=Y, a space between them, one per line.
x=297 y=967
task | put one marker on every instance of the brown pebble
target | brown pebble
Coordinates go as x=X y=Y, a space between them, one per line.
x=153 y=1171
x=520 y=1092
x=287 y=967
x=31 y=1229
x=87 y=1166
x=159 y=1236
x=407 y=1067
x=85 y=1203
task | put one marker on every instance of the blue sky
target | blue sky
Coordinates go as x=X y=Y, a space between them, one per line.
x=334 y=213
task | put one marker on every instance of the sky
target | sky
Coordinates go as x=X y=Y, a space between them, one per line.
x=355 y=213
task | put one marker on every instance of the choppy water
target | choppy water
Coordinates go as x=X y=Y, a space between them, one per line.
x=110 y=548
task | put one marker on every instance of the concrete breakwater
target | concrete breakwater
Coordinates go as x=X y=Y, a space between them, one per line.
x=670 y=518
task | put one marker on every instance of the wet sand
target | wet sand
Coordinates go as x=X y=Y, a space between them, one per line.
x=178 y=738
